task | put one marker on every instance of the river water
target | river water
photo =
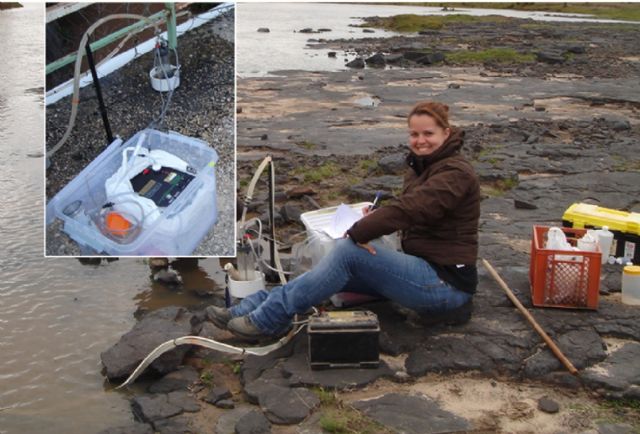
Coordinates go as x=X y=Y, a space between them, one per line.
x=284 y=48
x=56 y=315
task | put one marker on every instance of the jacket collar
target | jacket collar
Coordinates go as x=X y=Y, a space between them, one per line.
x=451 y=146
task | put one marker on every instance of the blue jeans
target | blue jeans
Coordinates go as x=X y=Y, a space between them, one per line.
x=405 y=279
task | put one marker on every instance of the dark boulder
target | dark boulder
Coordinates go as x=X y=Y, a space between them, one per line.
x=154 y=329
x=357 y=63
x=551 y=57
x=377 y=60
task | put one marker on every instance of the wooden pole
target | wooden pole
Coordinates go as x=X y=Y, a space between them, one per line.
x=554 y=348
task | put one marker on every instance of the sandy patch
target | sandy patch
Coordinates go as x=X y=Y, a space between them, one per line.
x=494 y=405
x=576 y=108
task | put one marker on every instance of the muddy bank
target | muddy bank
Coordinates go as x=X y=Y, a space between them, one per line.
x=202 y=107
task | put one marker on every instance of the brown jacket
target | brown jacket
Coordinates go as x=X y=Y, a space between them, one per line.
x=438 y=210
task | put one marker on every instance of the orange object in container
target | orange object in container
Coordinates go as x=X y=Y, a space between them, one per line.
x=116 y=224
x=560 y=278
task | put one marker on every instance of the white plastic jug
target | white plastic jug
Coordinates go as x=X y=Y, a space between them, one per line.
x=588 y=243
x=605 y=239
x=557 y=240
x=631 y=284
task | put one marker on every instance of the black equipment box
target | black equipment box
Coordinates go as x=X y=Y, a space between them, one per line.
x=161 y=186
x=344 y=339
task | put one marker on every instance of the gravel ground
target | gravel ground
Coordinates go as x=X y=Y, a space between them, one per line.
x=202 y=107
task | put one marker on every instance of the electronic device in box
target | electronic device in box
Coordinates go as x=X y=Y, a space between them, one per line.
x=161 y=186
x=344 y=339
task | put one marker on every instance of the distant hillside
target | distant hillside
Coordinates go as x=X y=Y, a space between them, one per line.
x=9 y=5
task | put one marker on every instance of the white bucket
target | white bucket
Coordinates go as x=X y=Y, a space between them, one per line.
x=244 y=288
x=162 y=84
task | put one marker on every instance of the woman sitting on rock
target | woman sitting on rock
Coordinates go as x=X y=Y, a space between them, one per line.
x=436 y=273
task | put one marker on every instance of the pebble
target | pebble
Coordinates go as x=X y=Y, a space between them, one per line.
x=548 y=405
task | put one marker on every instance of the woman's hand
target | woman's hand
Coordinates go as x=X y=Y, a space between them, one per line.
x=367 y=210
x=368 y=247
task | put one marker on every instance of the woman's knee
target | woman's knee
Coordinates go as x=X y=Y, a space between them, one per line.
x=344 y=248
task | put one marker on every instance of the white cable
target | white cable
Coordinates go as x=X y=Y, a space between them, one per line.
x=206 y=343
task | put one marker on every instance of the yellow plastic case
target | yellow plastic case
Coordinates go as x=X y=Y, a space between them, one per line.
x=624 y=225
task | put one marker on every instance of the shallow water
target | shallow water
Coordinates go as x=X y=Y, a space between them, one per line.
x=283 y=48
x=57 y=315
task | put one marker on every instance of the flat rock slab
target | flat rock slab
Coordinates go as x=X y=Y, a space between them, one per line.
x=619 y=372
x=253 y=422
x=227 y=421
x=412 y=414
x=173 y=425
x=487 y=100
x=154 y=329
x=615 y=428
x=287 y=406
x=176 y=380
x=150 y=408
x=582 y=347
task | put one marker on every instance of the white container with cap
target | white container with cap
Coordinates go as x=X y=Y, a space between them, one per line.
x=631 y=285
x=605 y=239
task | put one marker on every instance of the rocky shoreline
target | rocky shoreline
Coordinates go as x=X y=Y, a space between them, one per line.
x=202 y=107
x=543 y=48
x=541 y=137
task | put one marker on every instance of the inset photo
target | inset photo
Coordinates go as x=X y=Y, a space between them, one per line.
x=140 y=156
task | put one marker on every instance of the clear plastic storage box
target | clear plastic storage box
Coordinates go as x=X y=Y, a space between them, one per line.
x=176 y=232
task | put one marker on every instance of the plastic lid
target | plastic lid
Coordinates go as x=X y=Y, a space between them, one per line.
x=632 y=269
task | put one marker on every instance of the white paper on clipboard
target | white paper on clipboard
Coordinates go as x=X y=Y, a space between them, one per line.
x=342 y=220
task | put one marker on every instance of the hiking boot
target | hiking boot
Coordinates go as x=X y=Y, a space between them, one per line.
x=458 y=316
x=242 y=327
x=220 y=316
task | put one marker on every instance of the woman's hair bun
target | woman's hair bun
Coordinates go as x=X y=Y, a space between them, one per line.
x=437 y=110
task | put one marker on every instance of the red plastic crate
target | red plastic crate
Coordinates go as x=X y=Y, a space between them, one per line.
x=566 y=279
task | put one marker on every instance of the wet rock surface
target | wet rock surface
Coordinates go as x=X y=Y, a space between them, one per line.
x=179 y=379
x=155 y=328
x=151 y=408
x=202 y=107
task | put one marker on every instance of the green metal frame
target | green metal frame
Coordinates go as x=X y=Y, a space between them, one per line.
x=171 y=25
x=169 y=14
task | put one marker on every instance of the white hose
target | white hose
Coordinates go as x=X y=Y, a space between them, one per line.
x=206 y=343
x=219 y=346
x=252 y=187
x=76 y=75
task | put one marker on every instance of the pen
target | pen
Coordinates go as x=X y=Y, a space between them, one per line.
x=375 y=201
